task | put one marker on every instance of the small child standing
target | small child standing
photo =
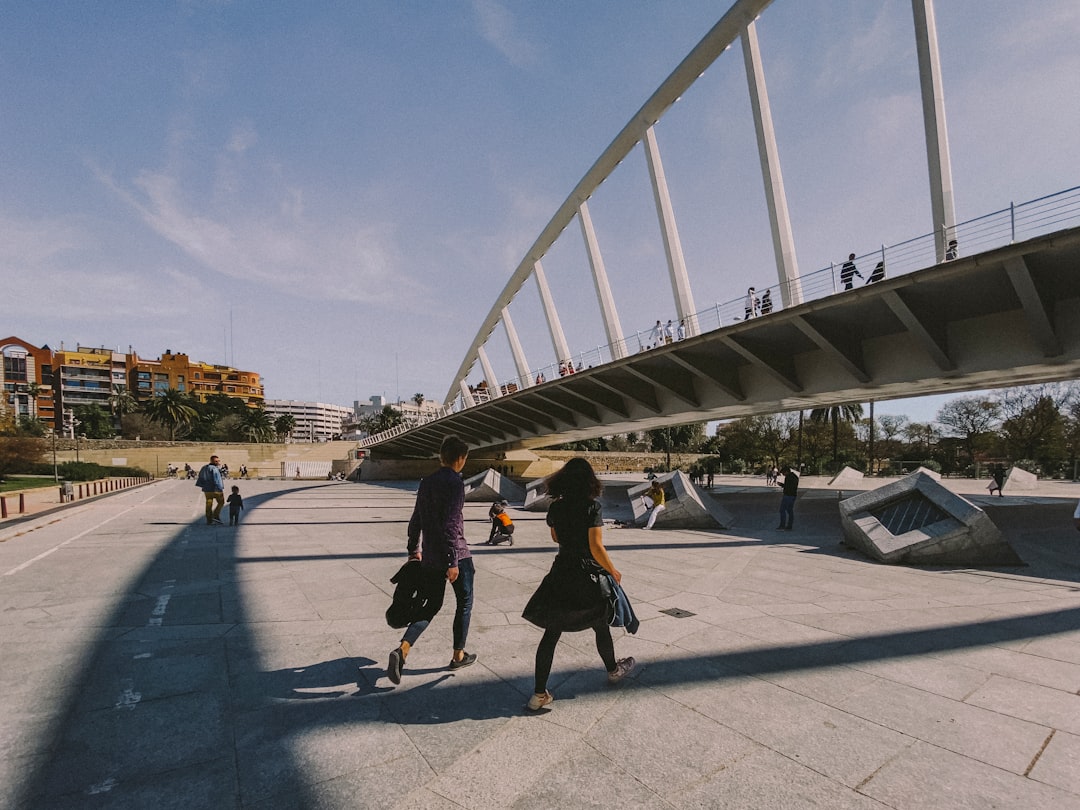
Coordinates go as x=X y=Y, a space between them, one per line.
x=236 y=503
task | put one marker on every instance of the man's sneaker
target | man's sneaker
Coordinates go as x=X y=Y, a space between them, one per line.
x=393 y=669
x=622 y=668
x=537 y=702
x=218 y=522
x=467 y=660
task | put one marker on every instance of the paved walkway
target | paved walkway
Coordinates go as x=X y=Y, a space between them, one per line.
x=151 y=661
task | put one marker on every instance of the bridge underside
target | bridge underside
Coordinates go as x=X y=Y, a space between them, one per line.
x=1007 y=317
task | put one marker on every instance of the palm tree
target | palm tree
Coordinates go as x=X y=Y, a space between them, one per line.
x=256 y=425
x=121 y=403
x=835 y=414
x=171 y=409
x=33 y=391
x=284 y=425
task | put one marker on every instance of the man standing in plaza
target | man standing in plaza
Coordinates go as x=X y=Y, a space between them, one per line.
x=437 y=539
x=787 y=501
x=209 y=481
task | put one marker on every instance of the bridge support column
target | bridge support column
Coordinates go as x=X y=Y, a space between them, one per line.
x=603 y=289
x=522 y=365
x=787 y=266
x=466 y=394
x=489 y=373
x=558 y=338
x=937 y=133
x=680 y=280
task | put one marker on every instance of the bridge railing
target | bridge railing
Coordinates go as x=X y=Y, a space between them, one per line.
x=1017 y=222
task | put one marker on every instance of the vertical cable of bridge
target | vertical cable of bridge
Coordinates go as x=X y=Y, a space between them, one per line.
x=680 y=280
x=558 y=338
x=522 y=364
x=489 y=374
x=603 y=289
x=937 y=134
x=787 y=267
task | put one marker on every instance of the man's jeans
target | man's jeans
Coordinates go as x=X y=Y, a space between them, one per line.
x=213 y=512
x=787 y=511
x=463 y=591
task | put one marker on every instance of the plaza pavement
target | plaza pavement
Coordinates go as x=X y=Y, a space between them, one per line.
x=150 y=661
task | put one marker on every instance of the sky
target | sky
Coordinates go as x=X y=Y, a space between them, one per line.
x=333 y=194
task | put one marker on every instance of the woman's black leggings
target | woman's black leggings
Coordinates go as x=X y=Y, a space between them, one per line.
x=545 y=653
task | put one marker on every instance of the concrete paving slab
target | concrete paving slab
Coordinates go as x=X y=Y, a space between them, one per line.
x=927 y=776
x=808 y=676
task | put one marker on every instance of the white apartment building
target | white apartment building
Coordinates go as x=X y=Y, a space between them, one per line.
x=409 y=410
x=315 y=421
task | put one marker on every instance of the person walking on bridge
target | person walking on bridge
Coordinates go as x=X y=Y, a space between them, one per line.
x=848 y=271
x=437 y=538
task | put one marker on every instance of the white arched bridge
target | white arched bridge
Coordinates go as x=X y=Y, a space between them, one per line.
x=989 y=302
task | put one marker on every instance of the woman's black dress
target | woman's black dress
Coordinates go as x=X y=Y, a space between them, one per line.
x=574 y=595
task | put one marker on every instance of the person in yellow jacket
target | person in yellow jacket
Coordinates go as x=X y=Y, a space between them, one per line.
x=656 y=495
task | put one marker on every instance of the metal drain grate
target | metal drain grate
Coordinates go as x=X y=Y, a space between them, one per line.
x=678 y=613
x=913 y=512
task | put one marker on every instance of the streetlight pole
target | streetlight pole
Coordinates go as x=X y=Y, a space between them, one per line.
x=56 y=474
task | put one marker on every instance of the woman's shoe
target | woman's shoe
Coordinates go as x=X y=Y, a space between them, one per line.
x=622 y=669
x=537 y=702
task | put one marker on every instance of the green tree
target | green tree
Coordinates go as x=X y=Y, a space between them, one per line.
x=32 y=426
x=173 y=410
x=17 y=452
x=848 y=414
x=256 y=425
x=676 y=438
x=284 y=425
x=218 y=418
x=93 y=421
x=121 y=403
x=388 y=417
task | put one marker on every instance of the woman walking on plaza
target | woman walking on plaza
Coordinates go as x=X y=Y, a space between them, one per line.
x=570 y=598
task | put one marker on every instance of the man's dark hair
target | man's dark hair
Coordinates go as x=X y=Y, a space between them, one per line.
x=575 y=480
x=451 y=449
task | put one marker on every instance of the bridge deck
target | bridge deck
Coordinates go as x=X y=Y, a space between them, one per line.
x=1006 y=317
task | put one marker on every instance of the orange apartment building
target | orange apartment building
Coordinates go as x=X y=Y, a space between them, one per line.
x=26 y=380
x=39 y=382
x=147 y=378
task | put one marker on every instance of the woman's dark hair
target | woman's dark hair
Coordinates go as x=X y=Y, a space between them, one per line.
x=575 y=480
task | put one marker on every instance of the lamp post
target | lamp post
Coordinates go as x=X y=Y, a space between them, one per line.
x=56 y=474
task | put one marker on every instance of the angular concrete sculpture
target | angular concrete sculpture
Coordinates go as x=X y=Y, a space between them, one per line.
x=536 y=497
x=1019 y=480
x=916 y=521
x=491 y=486
x=935 y=475
x=685 y=508
x=846 y=476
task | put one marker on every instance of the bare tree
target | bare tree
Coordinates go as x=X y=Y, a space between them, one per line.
x=971 y=419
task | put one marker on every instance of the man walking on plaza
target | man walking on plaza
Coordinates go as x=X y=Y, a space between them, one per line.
x=437 y=539
x=209 y=481
x=787 y=501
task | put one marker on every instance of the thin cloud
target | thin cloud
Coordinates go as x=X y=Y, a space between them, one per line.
x=498 y=29
x=264 y=235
